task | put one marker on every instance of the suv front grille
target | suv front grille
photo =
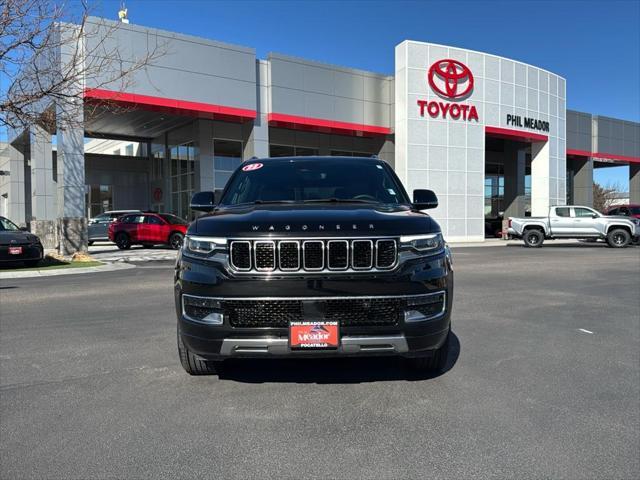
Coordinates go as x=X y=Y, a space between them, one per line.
x=313 y=255
x=350 y=311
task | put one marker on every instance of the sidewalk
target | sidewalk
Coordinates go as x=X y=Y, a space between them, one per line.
x=107 y=267
x=108 y=252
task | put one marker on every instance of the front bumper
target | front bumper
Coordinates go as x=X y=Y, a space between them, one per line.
x=30 y=252
x=422 y=277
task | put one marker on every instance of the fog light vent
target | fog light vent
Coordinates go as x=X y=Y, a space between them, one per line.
x=202 y=309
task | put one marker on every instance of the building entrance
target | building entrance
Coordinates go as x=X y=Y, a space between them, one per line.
x=507 y=183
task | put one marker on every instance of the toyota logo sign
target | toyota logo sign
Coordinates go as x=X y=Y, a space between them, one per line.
x=450 y=78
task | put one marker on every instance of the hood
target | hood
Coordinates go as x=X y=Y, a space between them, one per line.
x=314 y=220
x=12 y=237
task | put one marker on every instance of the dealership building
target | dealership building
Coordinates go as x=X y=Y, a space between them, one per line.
x=491 y=136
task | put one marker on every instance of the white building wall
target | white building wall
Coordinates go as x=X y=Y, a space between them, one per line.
x=447 y=155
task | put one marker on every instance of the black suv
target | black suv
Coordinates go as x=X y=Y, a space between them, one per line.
x=313 y=256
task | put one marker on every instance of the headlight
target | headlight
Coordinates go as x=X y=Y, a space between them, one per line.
x=203 y=245
x=423 y=243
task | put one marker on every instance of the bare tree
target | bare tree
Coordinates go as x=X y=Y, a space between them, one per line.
x=603 y=196
x=50 y=55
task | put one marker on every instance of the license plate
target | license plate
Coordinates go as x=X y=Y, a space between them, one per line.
x=313 y=335
x=15 y=250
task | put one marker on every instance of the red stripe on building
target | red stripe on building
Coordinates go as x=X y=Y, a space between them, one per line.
x=515 y=134
x=611 y=156
x=603 y=156
x=296 y=122
x=578 y=153
x=170 y=105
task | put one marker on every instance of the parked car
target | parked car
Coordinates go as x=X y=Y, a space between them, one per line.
x=18 y=245
x=313 y=257
x=148 y=229
x=572 y=221
x=629 y=210
x=99 y=225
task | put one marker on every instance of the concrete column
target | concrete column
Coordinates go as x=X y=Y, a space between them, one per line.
x=387 y=152
x=540 y=179
x=16 y=196
x=514 y=173
x=256 y=134
x=43 y=203
x=634 y=183
x=582 y=193
x=205 y=173
x=71 y=186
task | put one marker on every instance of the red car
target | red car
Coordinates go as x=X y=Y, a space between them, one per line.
x=148 y=229
x=632 y=210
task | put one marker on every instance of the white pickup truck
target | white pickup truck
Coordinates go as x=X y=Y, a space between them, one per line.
x=571 y=221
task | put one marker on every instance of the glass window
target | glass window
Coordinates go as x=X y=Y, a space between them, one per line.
x=182 y=172
x=129 y=150
x=624 y=211
x=563 y=212
x=281 y=151
x=306 y=152
x=6 y=224
x=308 y=181
x=173 y=220
x=584 y=212
x=153 y=220
x=613 y=211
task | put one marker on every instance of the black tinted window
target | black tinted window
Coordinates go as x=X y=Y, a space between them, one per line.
x=563 y=212
x=173 y=219
x=153 y=220
x=309 y=180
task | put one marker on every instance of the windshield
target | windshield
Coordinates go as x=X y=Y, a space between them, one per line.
x=7 y=225
x=308 y=181
x=173 y=220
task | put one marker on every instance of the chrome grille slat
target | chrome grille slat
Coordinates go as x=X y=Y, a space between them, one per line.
x=289 y=255
x=338 y=254
x=264 y=253
x=313 y=255
x=362 y=254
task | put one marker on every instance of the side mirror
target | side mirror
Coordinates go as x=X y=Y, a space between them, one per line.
x=424 y=199
x=203 y=202
x=594 y=215
x=23 y=229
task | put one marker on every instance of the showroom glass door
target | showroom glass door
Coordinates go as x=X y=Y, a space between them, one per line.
x=182 y=164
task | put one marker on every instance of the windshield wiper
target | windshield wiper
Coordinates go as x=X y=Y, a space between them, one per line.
x=339 y=200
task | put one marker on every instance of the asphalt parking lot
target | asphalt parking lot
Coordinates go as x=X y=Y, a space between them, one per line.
x=543 y=381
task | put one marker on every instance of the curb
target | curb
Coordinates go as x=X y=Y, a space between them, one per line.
x=108 y=267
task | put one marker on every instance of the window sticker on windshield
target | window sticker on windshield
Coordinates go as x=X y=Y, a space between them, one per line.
x=251 y=167
x=391 y=191
x=379 y=166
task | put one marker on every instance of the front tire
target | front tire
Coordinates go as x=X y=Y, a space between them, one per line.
x=434 y=363
x=618 y=238
x=533 y=238
x=192 y=364
x=175 y=240
x=123 y=242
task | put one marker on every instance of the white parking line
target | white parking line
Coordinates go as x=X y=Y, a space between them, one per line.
x=585 y=331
